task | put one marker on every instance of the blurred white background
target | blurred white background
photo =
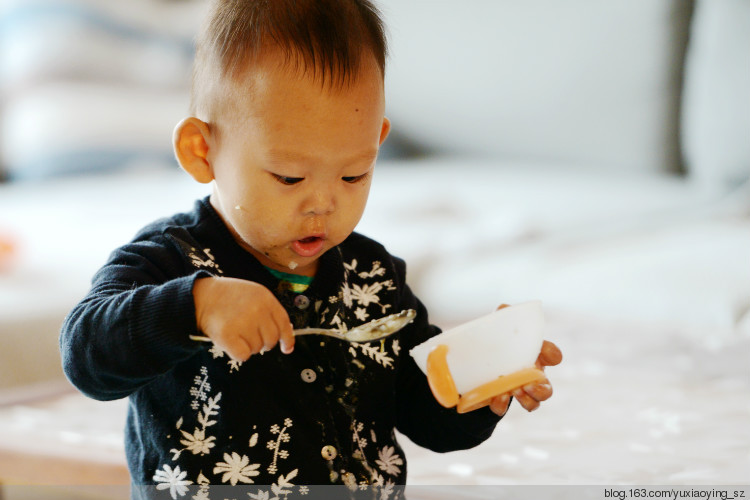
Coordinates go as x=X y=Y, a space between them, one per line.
x=594 y=155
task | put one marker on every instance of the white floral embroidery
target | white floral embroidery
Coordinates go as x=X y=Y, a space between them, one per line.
x=362 y=295
x=358 y=427
x=283 y=484
x=197 y=442
x=387 y=490
x=347 y=297
x=236 y=469
x=349 y=480
x=203 y=259
x=373 y=352
x=337 y=322
x=361 y=314
x=368 y=294
x=275 y=444
x=389 y=460
x=357 y=297
x=203 y=491
x=386 y=487
x=377 y=479
x=361 y=443
x=281 y=488
x=325 y=313
x=377 y=270
x=234 y=365
x=203 y=494
x=350 y=267
x=200 y=388
x=173 y=479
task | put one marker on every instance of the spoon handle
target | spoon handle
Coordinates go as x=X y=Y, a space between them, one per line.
x=300 y=331
x=319 y=331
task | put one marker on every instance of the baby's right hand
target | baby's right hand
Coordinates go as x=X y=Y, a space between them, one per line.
x=241 y=317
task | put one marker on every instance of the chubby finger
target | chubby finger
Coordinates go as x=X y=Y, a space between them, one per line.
x=254 y=341
x=285 y=330
x=287 y=339
x=550 y=355
x=525 y=400
x=238 y=349
x=540 y=391
x=499 y=404
x=269 y=334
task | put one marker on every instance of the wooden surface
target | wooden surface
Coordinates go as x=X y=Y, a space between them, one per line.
x=52 y=435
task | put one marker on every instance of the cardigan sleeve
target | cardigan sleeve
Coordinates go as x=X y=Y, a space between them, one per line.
x=419 y=415
x=135 y=322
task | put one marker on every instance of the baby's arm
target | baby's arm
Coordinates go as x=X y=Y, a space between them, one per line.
x=136 y=321
x=419 y=415
x=132 y=326
x=241 y=317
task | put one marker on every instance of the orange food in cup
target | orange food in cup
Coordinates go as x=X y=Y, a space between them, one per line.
x=439 y=377
x=444 y=388
x=482 y=395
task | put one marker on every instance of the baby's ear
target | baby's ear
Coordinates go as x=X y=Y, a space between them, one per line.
x=191 y=148
x=385 y=130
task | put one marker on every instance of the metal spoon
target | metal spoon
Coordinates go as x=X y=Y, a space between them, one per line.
x=366 y=332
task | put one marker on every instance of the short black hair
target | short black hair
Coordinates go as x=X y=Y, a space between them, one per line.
x=328 y=38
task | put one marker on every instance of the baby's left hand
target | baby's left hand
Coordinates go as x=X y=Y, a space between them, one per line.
x=531 y=395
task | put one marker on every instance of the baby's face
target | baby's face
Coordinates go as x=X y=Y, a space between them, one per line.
x=293 y=166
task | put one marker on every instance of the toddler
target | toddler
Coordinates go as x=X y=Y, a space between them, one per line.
x=287 y=118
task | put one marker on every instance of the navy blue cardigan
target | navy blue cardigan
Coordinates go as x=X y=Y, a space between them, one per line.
x=324 y=414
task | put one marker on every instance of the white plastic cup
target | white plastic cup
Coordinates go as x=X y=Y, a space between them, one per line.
x=497 y=344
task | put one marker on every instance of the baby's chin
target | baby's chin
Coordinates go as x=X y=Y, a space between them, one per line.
x=293 y=257
x=286 y=260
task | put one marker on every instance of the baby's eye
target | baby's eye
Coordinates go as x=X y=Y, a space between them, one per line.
x=288 y=181
x=356 y=178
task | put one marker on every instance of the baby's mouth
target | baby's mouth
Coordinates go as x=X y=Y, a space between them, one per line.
x=309 y=246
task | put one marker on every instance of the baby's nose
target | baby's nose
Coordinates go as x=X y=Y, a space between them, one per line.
x=322 y=202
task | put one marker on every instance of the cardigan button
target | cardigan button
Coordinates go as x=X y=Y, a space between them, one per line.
x=328 y=452
x=301 y=302
x=308 y=375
